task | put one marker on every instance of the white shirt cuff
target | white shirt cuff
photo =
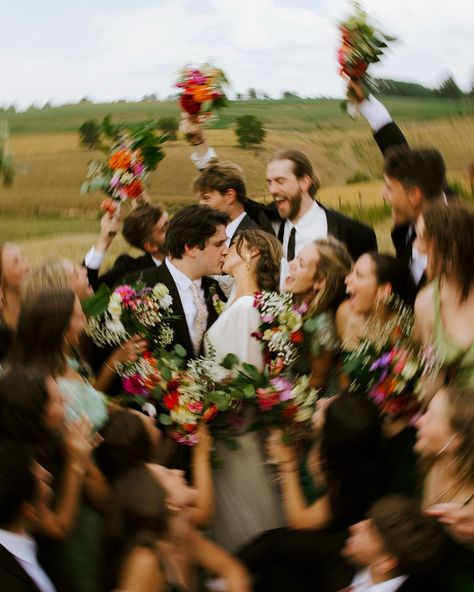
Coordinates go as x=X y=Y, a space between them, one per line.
x=94 y=258
x=201 y=162
x=376 y=114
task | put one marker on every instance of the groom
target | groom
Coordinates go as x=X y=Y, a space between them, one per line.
x=196 y=247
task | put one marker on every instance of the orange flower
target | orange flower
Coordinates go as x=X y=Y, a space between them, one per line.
x=120 y=160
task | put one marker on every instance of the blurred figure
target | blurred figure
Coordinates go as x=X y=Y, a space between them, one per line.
x=23 y=494
x=398 y=547
x=13 y=270
x=152 y=546
x=143 y=228
x=444 y=310
x=316 y=278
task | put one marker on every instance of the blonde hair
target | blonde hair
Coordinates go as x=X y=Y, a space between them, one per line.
x=50 y=274
x=267 y=270
x=333 y=266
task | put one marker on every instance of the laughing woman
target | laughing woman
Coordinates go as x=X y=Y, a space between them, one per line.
x=317 y=278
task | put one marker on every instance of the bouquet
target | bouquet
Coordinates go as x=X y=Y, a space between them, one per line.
x=115 y=317
x=190 y=395
x=132 y=153
x=388 y=366
x=280 y=329
x=361 y=45
x=202 y=90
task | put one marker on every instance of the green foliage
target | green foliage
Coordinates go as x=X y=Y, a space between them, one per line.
x=357 y=177
x=303 y=115
x=169 y=126
x=249 y=131
x=89 y=134
x=449 y=89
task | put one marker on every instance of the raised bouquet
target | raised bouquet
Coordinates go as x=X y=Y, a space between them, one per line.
x=202 y=90
x=132 y=151
x=362 y=44
x=280 y=330
x=388 y=366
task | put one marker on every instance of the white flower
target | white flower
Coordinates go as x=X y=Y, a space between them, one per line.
x=160 y=290
x=115 y=306
x=114 y=326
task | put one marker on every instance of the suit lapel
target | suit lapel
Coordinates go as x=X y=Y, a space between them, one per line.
x=9 y=563
x=332 y=222
x=180 y=325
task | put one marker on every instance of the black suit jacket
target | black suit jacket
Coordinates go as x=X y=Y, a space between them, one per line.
x=359 y=238
x=247 y=223
x=13 y=578
x=124 y=264
x=162 y=275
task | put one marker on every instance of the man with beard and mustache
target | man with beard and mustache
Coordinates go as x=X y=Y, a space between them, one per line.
x=295 y=216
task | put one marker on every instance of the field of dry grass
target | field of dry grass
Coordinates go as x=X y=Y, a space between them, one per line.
x=51 y=168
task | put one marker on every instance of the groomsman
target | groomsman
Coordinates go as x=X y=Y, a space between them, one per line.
x=295 y=217
x=196 y=248
x=143 y=228
x=221 y=186
x=413 y=178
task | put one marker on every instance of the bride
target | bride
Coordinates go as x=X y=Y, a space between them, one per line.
x=246 y=502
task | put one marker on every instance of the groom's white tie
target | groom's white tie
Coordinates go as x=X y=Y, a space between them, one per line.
x=200 y=320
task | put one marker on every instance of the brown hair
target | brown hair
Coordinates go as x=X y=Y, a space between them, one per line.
x=461 y=419
x=267 y=270
x=333 y=266
x=417 y=541
x=39 y=339
x=421 y=168
x=451 y=228
x=221 y=176
x=138 y=224
x=302 y=167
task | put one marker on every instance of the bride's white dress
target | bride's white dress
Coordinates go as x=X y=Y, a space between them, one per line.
x=246 y=499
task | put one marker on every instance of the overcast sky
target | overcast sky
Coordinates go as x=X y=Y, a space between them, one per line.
x=61 y=51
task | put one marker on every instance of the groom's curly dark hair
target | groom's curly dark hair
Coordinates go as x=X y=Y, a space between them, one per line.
x=192 y=226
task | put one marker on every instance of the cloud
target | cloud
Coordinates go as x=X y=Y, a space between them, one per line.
x=115 y=49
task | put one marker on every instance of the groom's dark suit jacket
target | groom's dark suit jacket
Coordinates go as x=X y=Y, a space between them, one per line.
x=13 y=578
x=359 y=238
x=162 y=275
x=247 y=223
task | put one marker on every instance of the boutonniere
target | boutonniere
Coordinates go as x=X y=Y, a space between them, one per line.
x=217 y=303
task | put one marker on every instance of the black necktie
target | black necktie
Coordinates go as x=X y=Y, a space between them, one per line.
x=291 y=245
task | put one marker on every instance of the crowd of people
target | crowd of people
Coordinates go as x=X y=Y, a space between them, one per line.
x=95 y=496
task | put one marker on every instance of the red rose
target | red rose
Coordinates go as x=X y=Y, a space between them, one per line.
x=172 y=385
x=170 y=400
x=135 y=189
x=189 y=104
x=267 y=398
x=297 y=337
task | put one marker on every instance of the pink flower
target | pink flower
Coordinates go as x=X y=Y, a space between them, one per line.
x=134 y=385
x=268 y=318
x=283 y=387
x=195 y=407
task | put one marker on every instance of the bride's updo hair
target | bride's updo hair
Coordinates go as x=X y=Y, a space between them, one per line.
x=267 y=269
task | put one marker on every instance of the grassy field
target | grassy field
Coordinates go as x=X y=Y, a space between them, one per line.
x=297 y=115
x=45 y=212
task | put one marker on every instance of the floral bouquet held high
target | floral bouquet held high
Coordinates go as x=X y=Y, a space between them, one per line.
x=133 y=153
x=361 y=45
x=202 y=91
